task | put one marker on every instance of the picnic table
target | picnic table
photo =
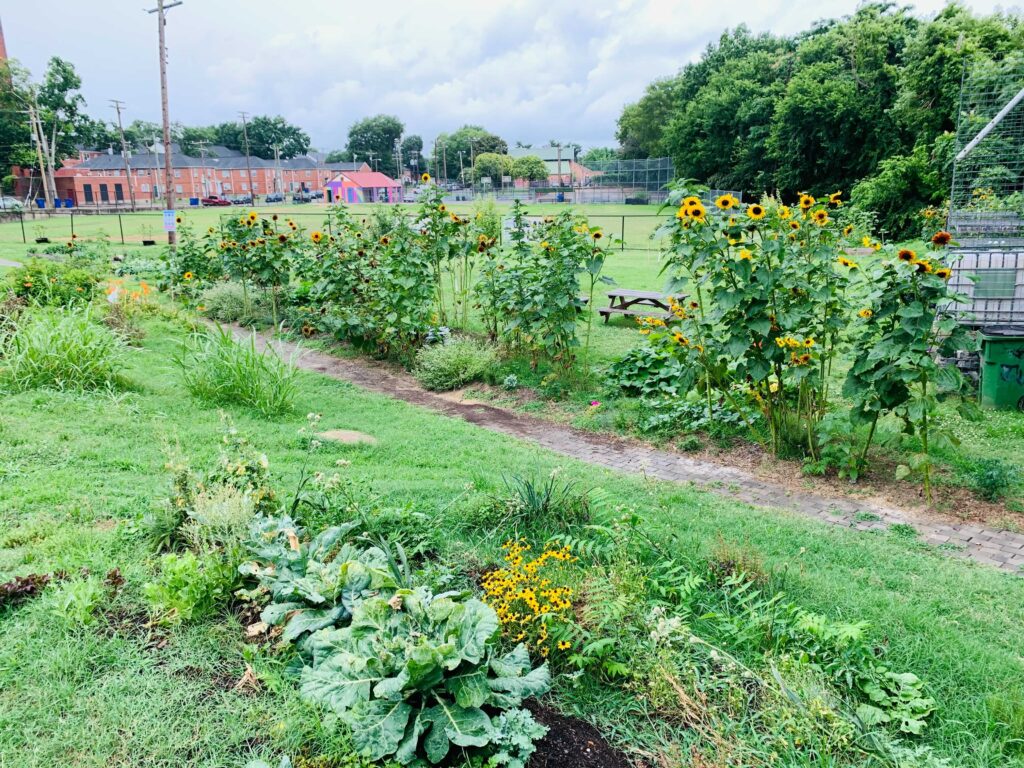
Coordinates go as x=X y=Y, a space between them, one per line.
x=631 y=303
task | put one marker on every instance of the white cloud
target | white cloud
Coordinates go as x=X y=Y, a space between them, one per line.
x=530 y=70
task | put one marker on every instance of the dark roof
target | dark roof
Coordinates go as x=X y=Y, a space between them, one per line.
x=142 y=159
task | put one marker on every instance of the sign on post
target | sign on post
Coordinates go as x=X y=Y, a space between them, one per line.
x=169 y=223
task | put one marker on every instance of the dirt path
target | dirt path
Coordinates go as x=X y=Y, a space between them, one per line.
x=1002 y=549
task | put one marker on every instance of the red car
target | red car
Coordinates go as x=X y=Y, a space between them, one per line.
x=214 y=200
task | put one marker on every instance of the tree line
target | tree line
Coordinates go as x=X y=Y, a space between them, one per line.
x=866 y=103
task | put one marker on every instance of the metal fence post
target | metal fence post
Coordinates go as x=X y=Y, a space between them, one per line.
x=72 y=215
x=121 y=227
x=623 y=241
x=21 y=217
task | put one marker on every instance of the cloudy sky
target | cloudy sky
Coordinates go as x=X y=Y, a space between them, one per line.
x=530 y=70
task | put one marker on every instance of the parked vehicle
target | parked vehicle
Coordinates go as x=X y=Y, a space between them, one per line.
x=274 y=197
x=214 y=200
x=8 y=203
x=241 y=200
x=301 y=197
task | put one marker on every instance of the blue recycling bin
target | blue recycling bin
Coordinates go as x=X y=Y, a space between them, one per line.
x=194 y=202
x=40 y=202
x=560 y=197
x=56 y=202
x=69 y=203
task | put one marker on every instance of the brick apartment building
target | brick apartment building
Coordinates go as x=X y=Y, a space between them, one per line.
x=99 y=179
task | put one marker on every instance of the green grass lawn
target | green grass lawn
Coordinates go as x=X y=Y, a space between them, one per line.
x=76 y=471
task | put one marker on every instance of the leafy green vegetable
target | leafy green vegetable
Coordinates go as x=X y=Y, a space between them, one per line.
x=417 y=675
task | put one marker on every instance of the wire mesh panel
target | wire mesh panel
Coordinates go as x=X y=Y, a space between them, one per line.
x=626 y=181
x=992 y=279
x=987 y=196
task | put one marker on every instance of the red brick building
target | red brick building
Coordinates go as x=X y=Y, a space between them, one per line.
x=99 y=179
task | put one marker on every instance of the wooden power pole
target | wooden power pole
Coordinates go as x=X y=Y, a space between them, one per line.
x=161 y=15
x=248 y=164
x=117 y=105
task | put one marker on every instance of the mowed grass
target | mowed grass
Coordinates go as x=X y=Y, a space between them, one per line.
x=75 y=470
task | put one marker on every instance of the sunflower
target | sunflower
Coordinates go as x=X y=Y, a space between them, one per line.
x=907 y=255
x=809 y=342
x=820 y=217
x=696 y=211
x=683 y=213
x=188 y=276
x=282 y=239
x=784 y=212
x=727 y=201
x=385 y=240
x=274 y=217
x=944 y=272
x=253 y=215
x=691 y=201
x=442 y=208
x=425 y=178
x=564 y=645
x=941 y=238
x=794 y=225
x=848 y=230
x=316 y=236
x=835 y=198
x=756 y=211
x=865 y=313
x=806 y=201
x=923 y=266
x=847 y=262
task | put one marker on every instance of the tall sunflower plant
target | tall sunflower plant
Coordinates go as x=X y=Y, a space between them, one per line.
x=759 y=304
x=905 y=324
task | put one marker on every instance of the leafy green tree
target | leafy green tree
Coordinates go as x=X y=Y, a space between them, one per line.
x=375 y=137
x=471 y=141
x=493 y=166
x=192 y=136
x=599 y=155
x=903 y=186
x=530 y=167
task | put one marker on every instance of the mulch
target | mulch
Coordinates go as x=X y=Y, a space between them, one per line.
x=573 y=743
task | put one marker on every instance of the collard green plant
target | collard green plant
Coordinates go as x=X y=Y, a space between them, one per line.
x=453 y=364
x=419 y=676
x=314 y=583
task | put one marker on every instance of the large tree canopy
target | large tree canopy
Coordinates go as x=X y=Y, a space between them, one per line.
x=821 y=110
x=471 y=141
x=372 y=140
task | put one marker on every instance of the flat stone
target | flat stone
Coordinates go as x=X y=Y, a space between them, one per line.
x=348 y=437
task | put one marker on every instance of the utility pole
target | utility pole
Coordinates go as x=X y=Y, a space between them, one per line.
x=33 y=120
x=248 y=163
x=117 y=105
x=398 y=161
x=462 y=170
x=201 y=146
x=444 y=156
x=278 y=178
x=161 y=18
x=436 y=174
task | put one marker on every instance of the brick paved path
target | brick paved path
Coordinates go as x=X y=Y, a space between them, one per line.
x=1002 y=549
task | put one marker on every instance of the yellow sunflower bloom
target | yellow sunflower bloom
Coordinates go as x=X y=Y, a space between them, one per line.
x=727 y=201
x=756 y=211
x=784 y=212
x=806 y=201
x=425 y=178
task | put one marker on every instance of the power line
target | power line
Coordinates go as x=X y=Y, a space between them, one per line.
x=248 y=164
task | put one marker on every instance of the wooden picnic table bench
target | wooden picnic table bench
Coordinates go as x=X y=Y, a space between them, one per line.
x=632 y=303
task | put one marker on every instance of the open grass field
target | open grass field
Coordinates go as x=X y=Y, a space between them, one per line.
x=77 y=470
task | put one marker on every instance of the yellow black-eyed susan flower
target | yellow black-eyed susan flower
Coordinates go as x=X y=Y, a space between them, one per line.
x=188 y=276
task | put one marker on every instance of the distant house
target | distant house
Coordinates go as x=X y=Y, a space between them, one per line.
x=563 y=170
x=362 y=187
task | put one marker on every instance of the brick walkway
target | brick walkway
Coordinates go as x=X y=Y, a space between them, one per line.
x=1002 y=549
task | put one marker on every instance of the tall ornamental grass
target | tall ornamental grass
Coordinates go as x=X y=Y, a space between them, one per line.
x=62 y=349
x=217 y=369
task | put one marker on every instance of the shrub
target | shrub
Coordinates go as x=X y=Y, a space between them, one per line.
x=449 y=366
x=992 y=478
x=218 y=369
x=63 y=350
x=53 y=285
x=227 y=302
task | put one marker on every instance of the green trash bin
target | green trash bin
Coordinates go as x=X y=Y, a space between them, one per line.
x=1002 y=367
